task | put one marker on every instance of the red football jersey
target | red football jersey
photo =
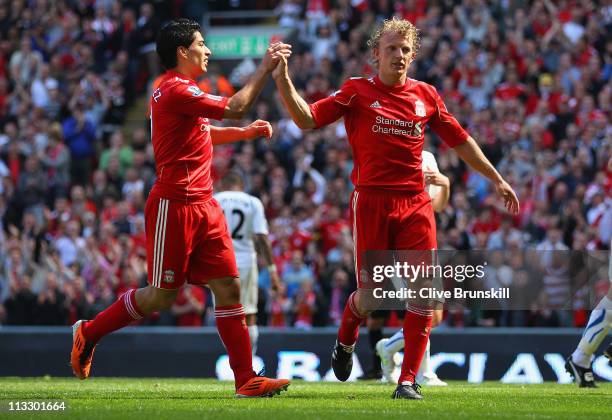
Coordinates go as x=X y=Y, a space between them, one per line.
x=386 y=126
x=180 y=132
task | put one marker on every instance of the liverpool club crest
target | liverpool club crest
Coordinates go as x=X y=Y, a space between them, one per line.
x=419 y=108
x=168 y=276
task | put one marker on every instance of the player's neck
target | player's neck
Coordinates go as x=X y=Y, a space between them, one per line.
x=184 y=71
x=392 y=80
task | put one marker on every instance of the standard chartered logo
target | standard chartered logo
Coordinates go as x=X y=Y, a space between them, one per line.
x=418 y=130
x=397 y=127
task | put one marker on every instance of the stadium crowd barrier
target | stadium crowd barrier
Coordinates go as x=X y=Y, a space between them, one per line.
x=509 y=355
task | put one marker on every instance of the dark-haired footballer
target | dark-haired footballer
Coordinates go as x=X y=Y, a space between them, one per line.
x=187 y=237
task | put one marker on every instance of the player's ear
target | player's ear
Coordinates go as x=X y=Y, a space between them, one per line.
x=411 y=57
x=182 y=51
x=375 y=55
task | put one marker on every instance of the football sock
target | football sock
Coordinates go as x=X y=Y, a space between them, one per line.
x=395 y=343
x=596 y=330
x=417 y=325
x=375 y=336
x=254 y=335
x=234 y=334
x=122 y=312
x=351 y=320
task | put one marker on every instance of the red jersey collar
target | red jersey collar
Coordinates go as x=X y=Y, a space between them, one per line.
x=173 y=73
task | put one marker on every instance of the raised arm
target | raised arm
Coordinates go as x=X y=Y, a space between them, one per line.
x=242 y=100
x=296 y=105
x=470 y=153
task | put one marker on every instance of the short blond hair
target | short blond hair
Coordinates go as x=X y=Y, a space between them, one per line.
x=397 y=25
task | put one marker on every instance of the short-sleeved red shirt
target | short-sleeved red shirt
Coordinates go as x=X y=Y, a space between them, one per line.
x=386 y=126
x=180 y=131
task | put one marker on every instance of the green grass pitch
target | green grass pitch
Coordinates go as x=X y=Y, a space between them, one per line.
x=148 y=399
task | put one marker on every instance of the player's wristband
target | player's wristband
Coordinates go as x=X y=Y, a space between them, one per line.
x=272 y=268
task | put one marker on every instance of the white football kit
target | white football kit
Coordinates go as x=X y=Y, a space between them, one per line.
x=430 y=164
x=245 y=218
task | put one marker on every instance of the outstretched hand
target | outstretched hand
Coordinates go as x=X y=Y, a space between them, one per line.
x=511 y=201
x=275 y=52
x=258 y=128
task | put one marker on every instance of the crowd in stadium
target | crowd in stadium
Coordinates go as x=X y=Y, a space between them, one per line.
x=530 y=81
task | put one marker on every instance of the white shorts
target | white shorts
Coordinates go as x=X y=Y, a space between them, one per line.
x=249 y=288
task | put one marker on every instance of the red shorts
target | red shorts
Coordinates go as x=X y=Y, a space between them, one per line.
x=384 y=220
x=187 y=242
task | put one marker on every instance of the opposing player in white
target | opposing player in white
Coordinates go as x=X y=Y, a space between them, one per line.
x=249 y=230
x=579 y=363
x=438 y=187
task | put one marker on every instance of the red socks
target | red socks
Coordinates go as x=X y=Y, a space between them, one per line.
x=351 y=320
x=121 y=313
x=417 y=325
x=234 y=333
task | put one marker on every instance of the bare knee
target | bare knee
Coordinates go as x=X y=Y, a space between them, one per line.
x=437 y=317
x=360 y=304
x=151 y=299
x=226 y=291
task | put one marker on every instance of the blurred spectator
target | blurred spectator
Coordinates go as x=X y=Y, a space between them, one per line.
x=340 y=290
x=216 y=83
x=32 y=186
x=70 y=243
x=117 y=150
x=147 y=27
x=323 y=43
x=56 y=162
x=51 y=304
x=189 y=306
x=80 y=136
x=505 y=236
x=305 y=305
x=21 y=303
x=289 y=12
x=279 y=307
x=295 y=273
x=26 y=64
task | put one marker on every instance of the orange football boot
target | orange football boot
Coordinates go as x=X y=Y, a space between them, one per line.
x=260 y=386
x=82 y=352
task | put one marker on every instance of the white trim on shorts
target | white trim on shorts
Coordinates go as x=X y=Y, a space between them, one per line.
x=160 y=239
